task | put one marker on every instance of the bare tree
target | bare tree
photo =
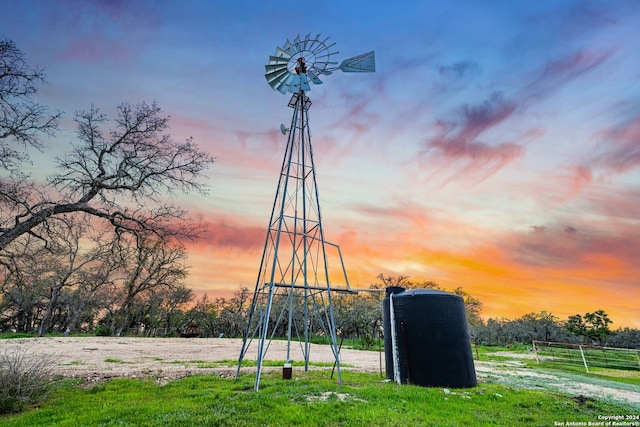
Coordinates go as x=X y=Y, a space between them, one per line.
x=232 y=314
x=146 y=265
x=472 y=305
x=118 y=176
x=95 y=291
x=204 y=316
x=22 y=120
x=170 y=309
x=122 y=176
x=24 y=285
x=69 y=260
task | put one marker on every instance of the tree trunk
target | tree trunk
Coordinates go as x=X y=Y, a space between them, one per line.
x=124 y=322
x=22 y=321
x=45 y=324
x=28 y=324
x=75 y=319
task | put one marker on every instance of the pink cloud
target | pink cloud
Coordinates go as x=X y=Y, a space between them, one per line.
x=575 y=247
x=227 y=233
x=246 y=152
x=95 y=48
x=621 y=148
x=106 y=30
x=620 y=207
x=459 y=70
x=581 y=177
x=559 y=72
x=271 y=139
x=410 y=214
x=357 y=118
x=459 y=141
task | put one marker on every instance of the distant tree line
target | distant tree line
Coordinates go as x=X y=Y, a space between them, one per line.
x=169 y=309
x=590 y=328
x=124 y=290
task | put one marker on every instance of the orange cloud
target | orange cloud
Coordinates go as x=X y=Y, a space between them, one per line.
x=561 y=268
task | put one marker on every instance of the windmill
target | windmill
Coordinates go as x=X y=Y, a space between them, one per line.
x=294 y=267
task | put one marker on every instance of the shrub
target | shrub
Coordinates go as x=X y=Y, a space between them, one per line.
x=369 y=343
x=102 y=331
x=23 y=380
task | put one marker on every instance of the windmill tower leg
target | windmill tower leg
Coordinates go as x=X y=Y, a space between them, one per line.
x=294 y=266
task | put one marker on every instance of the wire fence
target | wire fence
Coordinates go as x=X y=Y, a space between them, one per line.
x=586 y=355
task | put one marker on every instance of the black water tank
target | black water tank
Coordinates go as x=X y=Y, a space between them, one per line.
x=432 y=337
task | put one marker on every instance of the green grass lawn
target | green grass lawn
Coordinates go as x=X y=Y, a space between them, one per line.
x=311 y=398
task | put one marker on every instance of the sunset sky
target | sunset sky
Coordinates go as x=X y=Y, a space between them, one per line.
x=496 y=147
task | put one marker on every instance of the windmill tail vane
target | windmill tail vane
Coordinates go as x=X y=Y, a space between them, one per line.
x=359 y=64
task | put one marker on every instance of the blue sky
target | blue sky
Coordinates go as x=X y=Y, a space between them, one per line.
x=497 y=146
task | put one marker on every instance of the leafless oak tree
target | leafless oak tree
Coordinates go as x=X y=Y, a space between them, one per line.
x=147 y=266
x=121 y=176
x=22 y=120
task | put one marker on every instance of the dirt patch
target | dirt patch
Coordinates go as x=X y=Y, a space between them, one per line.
x=101 y=358
x=582 y=400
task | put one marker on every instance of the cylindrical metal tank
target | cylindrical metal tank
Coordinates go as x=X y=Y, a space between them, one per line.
x=426 y=337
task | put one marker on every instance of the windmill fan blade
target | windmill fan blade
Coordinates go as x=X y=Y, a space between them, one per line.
x=297 y=45
x=304 y=82
x=361 y=63
x=276 y=76
x=282 y=84
x=277 y=60
x=275 y=67
x=300 y=82
x=282 y=52
x=285 y=85
x=289 y=47
x=315 y=79
x=295 y=83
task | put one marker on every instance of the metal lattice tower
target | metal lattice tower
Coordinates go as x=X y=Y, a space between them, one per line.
x=294 y=270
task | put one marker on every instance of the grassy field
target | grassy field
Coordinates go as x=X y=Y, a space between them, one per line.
x=311 y=398
x=314 y=399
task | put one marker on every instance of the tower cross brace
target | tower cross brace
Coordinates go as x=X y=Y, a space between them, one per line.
x=294 y=267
